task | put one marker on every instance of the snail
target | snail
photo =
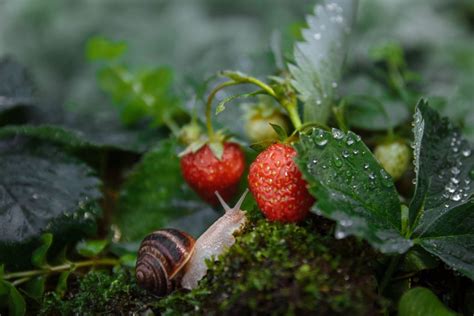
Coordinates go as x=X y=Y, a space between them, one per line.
x=169 y=258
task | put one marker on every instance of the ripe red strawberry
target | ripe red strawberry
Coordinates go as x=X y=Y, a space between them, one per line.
x=277 y=185
x=207 y=174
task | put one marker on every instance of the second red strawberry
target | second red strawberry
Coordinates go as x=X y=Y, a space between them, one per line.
x=205 y=173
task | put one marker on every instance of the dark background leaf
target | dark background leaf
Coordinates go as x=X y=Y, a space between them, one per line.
x=442 y=209
x=42 y=190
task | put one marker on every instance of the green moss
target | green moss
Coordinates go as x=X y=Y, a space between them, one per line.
x=98 y=292
x=284 y=269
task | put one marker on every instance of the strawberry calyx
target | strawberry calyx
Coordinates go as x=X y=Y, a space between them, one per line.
x=216 y=144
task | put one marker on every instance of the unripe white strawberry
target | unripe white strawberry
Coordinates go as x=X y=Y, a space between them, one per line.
x=258 y=119
x=394 y=157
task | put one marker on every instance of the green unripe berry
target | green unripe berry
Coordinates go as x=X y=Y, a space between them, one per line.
x=394 y=157
x=190 y=133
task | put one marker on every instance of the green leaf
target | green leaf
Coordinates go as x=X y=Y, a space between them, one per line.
x=91 y=248
x=221 y=105
x=42 y=190
x=15 y=301
x=352 y=188
x=442 y=209
x=100 y=48
x=155 y=193
x=77 y=139
x=16 y=86
x=420 y=301
x=61 y=286
x=319 y=58
x=280 y=131
x=391 y=52
x=38 y=258
x=34 y=288
x=370 y=113
x=217 y=149
x=128 y=260
x=141 y=95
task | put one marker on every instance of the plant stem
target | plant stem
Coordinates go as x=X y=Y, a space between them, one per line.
x=294 y=116
x=210 y=130
x=60 y=268
x=171 y=124
x=389 y=272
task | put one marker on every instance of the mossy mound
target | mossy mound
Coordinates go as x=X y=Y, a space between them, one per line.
x=284 y=269
x=99 y=293
x=273 y=268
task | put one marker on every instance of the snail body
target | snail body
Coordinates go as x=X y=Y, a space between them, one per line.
x=169 y=258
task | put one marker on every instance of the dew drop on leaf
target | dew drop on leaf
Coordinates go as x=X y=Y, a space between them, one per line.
x=466 y=152
x=337 y=162
x=337 y=133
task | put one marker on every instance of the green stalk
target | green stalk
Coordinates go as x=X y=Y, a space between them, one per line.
x=389 y=273
x=210 y=130
x=60 y=268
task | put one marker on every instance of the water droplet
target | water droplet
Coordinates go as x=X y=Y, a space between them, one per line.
x=366 y=166
x=346 y=222
x=450 y=188
x=456 y=197
x=340 y=234
x=372 y=176
x=350 y=141
x=355 y=151
x=334 y=84
x=455 y=180
x=317 y=36
x=318 y=102
x=466 y=152
x=337 y=162
x=455 y=170
x=386 y=179
x=413 y=181
x=35 y=196
x=322 y=142
x=337 y=133
x=345 y=154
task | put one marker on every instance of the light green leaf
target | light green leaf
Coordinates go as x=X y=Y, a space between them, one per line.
x=352 y=188
x=320 y=56
x=91 y=248
x=221 y=105
x=442 y=209
x=100 y=48
x=128 y=260
x=38 y=258
x=61 y=286
x=140 y=95
x=420 y=301
x=280 y=131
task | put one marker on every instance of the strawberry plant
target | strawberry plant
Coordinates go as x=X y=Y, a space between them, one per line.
x=351 y=128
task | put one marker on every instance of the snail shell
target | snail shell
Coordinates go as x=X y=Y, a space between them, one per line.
x=161 y=258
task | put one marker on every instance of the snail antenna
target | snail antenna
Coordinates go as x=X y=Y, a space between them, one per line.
x=241 y=200
x=237 y=206
x=223 y=203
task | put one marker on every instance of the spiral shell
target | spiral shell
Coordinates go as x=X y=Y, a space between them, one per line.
x=161 y=258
